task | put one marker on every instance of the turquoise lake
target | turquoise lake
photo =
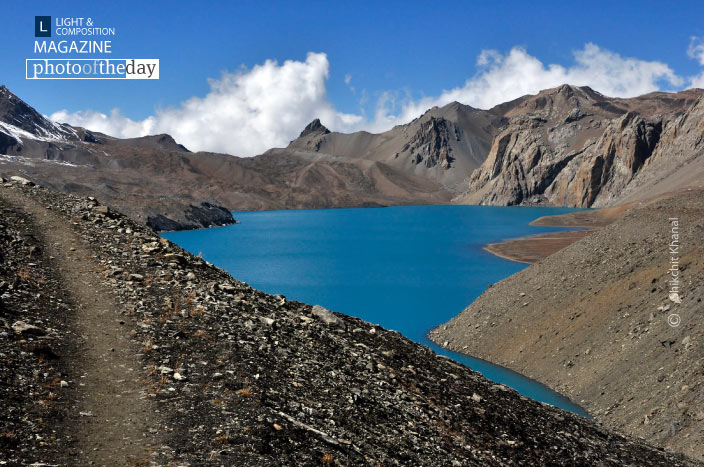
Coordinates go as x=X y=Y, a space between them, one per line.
x=405 y=268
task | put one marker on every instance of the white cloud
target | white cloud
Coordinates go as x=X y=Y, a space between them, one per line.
x=114 y=124
x=502 y=78
x=696 y=51
x=251 y=110
x=244 y=113
x=348 y=81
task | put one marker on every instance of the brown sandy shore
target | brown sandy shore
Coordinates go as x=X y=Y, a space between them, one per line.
x=536 y=247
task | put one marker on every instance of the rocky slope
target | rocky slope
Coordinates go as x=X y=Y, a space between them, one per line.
x=571 y=146
x=596 y=322
x=234 y=376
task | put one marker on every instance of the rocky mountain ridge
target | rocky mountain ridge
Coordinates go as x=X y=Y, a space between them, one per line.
x=158 y=181
x=18 y=119
x=568 y=146
x=444 y=145
x=574 y=147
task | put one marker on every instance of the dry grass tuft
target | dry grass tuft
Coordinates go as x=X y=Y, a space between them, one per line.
x=246 y=391
x=24 y=273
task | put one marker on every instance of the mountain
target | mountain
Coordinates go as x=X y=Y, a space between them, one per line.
x=444 y=145
x=572 y=146
x=75 y=160
x=676 y=161
x=158 y=181
x=17 y=119
x=568 y=146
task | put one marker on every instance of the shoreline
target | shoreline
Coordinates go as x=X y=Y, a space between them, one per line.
x=531 y=249
x=488 y=368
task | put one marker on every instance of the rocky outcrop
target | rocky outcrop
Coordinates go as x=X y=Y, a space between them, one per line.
x=598 y=175
x=195 y=217
x=312 y=136
x=239 y=377
x=431 y=143
x=574 y=147
x=314 y=128
x=676 y=162
x=444 y=145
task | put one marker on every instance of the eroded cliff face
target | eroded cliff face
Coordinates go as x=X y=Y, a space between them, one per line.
x=574 y=147
x=676 y=161
x=443 y=145
x=599 y=174
x=431 y=143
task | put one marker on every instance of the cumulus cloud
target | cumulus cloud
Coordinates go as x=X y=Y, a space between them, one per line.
x=114 y=124
x=251 y=110
x=244 y=113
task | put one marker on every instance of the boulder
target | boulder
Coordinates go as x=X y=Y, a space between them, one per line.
x=24 y=328
x=21 y=180
x=328 y=317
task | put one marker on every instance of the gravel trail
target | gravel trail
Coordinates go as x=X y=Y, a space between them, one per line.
x=113 y=412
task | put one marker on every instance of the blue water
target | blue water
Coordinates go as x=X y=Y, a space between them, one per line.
x=406 y=268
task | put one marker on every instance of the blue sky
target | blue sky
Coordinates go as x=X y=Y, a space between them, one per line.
x=397 y=52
